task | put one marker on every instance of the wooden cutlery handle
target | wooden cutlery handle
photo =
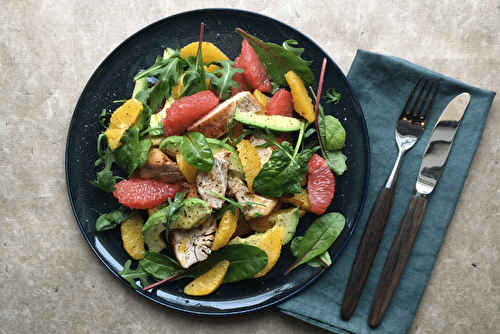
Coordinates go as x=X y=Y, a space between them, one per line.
x=367 y=249
x=397 y=257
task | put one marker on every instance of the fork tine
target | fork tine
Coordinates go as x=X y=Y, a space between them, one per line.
x=415 y=111
x=404 y=111
x=431 y=103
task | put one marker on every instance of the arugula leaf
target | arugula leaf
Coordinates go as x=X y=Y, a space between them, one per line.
x=319 y=237
x=296 y=51
x=105 y=179
x=278 y=60
x=194 y=77
x=332 y=97
x=284 y=170
x=114 y=218
x=168 y=70
x=222 y=79
x=172 y=209
x=195 y=149
x=232 y=205
x=133 y=275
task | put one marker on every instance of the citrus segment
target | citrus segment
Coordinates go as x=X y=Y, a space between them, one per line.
x=186 y=110
x=263 y=99
x=301 y=200
x=280 y=104
x=271 y=243
x=302 y=103
x=250 y=160
x=321 y=185
x=253 y=70
x=144 y=194
x=188 y=171
x=209 y=281
x=131 y=236
x=226 y=228
x=121 y=119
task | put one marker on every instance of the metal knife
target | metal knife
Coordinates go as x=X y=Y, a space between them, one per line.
x=433 y=161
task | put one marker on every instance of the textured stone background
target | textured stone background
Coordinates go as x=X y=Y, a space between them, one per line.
x=51 y=282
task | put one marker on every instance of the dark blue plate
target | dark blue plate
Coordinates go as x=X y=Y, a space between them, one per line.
x=113 y=81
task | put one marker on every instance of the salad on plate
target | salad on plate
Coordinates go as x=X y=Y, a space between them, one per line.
x=220 y=159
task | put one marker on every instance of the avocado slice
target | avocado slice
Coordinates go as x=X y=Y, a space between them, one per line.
x=151 y=232
x=192 y=213
x=289 y=220
x=274 y=122
x=171 y=146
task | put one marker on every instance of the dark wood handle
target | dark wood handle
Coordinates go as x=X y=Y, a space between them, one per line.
x=367 y=249
x=397 y=257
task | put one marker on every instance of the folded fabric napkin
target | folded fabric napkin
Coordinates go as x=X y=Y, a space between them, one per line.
x=382 y=85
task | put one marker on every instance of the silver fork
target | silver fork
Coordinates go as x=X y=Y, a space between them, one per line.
x=409 y=128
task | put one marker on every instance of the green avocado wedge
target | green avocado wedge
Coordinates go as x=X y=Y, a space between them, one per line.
x=274 y=123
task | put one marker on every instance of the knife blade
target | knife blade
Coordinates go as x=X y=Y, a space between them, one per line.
x=433 y=161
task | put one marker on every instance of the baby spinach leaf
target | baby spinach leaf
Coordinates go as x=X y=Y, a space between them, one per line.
x=336 y=161
x=114 y=218
x=160 y=266
x=282 y=173
x=132 y=153
x=195 y=149
x=333 y=133
x=132 y=275
x=284 y=170
x=278 y=60
x=322 y=260
x=245 y=261
x=319 y=237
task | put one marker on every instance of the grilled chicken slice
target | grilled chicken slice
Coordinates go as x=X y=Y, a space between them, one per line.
x=193 y=245
x=159 y=167
x=214 y=124
x=214 y=181
x=239 y=191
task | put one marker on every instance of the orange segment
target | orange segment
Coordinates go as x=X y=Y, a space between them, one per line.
x=188 y=171
x=301 y=200
x=122 y=118
x=209 y=281
x=131 y=236
x=302 y=103
x=209 y=52
x=262 y=99
x=225 y=230
x=271 y=243
x=250 y=160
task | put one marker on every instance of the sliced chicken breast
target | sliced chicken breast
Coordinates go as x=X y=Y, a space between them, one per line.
x=214 y=181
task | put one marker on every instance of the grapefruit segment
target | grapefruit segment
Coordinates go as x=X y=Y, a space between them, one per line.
x=254 y=71
x=144 y=194
x=186 y=110
x=321 y=184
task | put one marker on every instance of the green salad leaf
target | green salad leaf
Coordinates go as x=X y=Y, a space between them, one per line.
x=279 y=60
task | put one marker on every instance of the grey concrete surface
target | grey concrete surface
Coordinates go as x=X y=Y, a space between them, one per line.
x=51 y=282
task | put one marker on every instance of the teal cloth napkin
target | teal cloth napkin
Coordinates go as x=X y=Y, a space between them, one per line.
x=382 y=85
